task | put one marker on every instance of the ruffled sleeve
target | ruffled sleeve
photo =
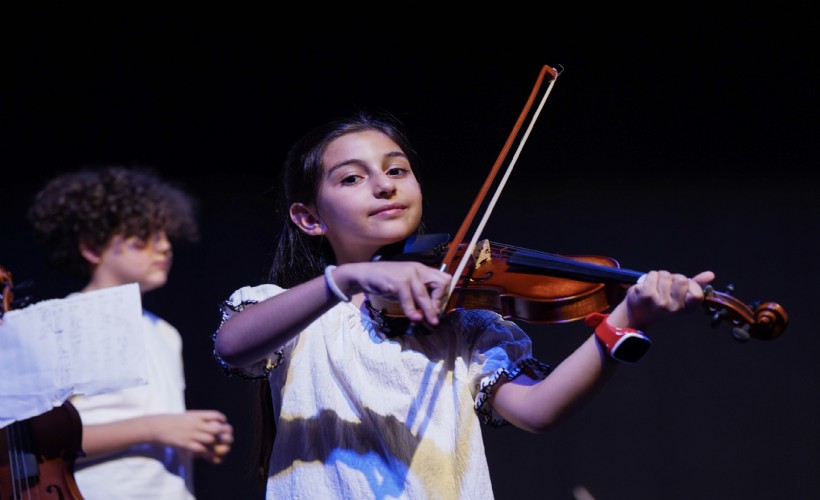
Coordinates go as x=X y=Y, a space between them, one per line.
x=500 y=349
x=234 y=305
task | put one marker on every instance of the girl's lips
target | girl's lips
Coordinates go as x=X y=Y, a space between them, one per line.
x=391 y=209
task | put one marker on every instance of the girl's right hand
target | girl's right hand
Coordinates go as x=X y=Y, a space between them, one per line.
x=419 y=289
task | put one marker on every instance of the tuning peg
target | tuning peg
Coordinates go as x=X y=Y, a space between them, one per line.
x=741 y=333
x=718 y=317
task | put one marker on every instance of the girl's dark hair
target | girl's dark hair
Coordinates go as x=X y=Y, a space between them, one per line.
x=299 y=257
x=92 y=205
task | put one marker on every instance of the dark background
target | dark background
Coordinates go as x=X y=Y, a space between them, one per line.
x=685 y=146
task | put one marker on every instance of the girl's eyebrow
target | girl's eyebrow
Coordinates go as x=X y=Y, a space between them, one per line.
x=339 y=165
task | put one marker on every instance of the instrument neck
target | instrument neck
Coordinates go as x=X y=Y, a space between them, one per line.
x=569 y=268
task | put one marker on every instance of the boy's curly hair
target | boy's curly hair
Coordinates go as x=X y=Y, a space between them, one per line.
x=93 y=205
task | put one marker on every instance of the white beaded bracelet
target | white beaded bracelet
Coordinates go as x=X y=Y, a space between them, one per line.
x=332 y=286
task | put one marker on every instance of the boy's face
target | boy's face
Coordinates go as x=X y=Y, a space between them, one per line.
x=134 y=260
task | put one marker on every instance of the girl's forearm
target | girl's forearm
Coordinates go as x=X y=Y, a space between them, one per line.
x=262 y=328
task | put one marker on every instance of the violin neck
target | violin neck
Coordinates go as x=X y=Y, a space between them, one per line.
x=571 y=268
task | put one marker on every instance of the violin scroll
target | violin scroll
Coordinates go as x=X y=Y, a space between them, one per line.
x=762 y=321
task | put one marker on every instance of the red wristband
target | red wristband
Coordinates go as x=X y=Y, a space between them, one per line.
x=623 y=344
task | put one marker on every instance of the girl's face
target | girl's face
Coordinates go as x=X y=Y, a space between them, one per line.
x=134 y=260
x=368 y=197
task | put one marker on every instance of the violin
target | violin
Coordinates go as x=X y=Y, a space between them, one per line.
x=540 y=287
x=37 y=455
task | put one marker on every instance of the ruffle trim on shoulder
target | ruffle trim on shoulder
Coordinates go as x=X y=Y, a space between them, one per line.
x=257 y=372
x=485 y=388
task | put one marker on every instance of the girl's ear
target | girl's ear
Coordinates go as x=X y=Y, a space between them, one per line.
x=306 y=220
x=92 y=256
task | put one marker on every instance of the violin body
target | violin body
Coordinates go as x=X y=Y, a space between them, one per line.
x=37 y=456
x=495 y=280
x=520 y=292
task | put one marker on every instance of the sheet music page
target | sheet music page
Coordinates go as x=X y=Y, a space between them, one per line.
x=87 y=343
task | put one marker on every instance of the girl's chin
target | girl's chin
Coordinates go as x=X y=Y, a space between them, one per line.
x=394 y=236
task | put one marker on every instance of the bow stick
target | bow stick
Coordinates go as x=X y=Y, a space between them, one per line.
x=450 y=255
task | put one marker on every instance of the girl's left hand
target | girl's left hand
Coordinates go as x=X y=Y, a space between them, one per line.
x=659 y=294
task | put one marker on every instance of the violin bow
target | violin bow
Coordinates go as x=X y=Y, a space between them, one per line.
x=479 y=200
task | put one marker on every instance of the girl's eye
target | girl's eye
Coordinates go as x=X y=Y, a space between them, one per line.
x=397 y=171
x=349 y=180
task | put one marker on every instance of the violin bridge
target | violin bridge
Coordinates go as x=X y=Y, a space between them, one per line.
x=481 y=253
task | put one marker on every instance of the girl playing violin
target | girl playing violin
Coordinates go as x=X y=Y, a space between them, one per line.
x=364 y=411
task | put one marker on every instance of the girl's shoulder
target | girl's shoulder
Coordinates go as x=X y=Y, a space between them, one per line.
x=250 y=295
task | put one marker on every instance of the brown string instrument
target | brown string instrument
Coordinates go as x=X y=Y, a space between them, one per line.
x=37 y=455
x=540 y=287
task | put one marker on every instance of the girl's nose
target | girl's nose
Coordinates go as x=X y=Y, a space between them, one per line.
x=386 y=187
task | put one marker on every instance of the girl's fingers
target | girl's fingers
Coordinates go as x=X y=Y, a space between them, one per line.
x=424 y=301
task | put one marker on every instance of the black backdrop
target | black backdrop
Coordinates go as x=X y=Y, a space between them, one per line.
x=684 y=147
